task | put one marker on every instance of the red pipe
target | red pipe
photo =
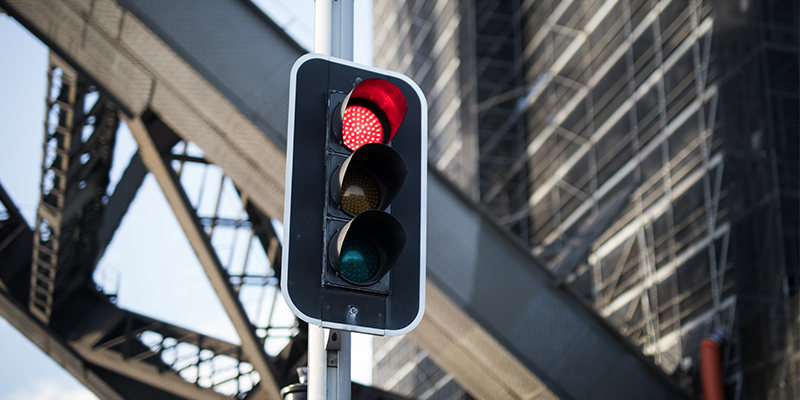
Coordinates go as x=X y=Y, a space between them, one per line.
x=711 y=366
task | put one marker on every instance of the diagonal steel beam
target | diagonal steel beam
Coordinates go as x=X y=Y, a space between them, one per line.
x=49 y=342
x=124 y=193
x=170 y=185
x=87 y=349
x=14 y=271
x=16 y=244
x=266 y=235
x=136 y=324
x=119 y=202
x=109 y=338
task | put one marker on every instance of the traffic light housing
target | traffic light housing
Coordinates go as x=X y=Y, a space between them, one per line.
x=355 y=210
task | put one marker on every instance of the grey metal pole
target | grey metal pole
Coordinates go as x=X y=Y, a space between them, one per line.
x=317 y=370
x=340 y=373
x=323 y=10
x=329 y=349
x=333 y=28
x=328 y=364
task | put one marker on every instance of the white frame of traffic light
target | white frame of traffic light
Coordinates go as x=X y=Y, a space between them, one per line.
x=423 y=198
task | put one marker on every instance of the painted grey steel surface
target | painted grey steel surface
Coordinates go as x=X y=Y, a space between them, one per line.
x=502 y=288
x=235 y=47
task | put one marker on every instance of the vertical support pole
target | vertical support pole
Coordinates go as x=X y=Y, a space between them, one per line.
x=337 y=367
x=333 y=28
x=317 y=368
x=328 y=364
x=329 y=350
x=343 y=11
x=323 y=20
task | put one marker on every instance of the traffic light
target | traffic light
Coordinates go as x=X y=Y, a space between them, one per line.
x=356 y=176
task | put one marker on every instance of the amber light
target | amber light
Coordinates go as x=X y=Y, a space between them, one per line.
x=360 y=192
x=360 y=126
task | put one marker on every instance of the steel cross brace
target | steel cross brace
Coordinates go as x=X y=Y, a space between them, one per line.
x=169 y=182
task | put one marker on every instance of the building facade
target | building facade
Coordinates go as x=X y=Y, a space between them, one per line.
x=401 y=367
x=646 y=151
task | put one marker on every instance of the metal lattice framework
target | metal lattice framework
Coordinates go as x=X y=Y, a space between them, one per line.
x=641 y=149
x=79 y=142
x=499 y=73
x=116 y=353
x=77 y=145
x=632 y=98
x=643 y=110
x=436 y=53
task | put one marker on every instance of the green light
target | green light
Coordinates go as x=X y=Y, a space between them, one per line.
x=360 y=260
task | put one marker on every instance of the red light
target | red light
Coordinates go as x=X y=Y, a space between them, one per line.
x=371 y=113
x=360 y=126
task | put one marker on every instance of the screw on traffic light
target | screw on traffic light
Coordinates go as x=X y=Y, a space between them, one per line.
x=356 y=168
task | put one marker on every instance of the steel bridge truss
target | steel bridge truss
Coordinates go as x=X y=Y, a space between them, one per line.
x=55 y=301
x=75 y=222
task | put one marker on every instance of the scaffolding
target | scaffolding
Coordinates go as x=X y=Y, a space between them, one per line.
x=637 y=100
x=500 y=82
x=631 y=101
x=647 y=151
x=431 y=42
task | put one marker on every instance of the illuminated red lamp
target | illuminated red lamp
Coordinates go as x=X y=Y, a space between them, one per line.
x=371 y=113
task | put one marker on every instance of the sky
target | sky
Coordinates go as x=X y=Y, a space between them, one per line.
x=167 y=271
